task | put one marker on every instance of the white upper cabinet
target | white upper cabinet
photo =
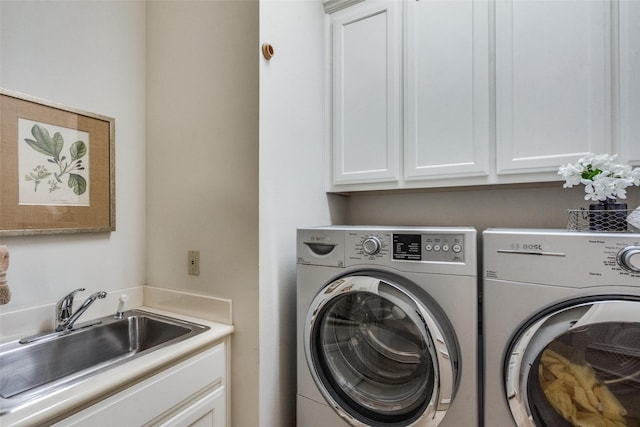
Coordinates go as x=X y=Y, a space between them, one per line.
x=441 y=93
x=629 y=90
x=366 y=92
x=446 y=108
x=553 y=82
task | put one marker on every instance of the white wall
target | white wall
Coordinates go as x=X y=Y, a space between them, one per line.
x=90 y=56
x=202 y=166
x=201 y=155
x=292 y=108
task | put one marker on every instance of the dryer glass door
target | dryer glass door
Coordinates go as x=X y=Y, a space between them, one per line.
x=373 y=355
x=578 y=366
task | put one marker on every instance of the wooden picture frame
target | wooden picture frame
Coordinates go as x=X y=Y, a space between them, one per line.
x=57 y=168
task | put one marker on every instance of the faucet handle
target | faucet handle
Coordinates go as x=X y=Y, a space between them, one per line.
x=64 y=308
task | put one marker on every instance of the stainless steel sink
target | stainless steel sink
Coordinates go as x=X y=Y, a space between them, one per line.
x=51 y=361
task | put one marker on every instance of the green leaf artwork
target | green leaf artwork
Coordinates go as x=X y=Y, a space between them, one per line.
x=77 y=183
x=44 y=143
x=51 y=146
x=37 y=175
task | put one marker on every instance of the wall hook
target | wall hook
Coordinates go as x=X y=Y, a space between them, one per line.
x=267 y=51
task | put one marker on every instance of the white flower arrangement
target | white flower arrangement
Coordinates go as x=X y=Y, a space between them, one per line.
x=602 y=177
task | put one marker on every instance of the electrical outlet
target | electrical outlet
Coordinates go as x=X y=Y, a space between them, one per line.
x=194 y=263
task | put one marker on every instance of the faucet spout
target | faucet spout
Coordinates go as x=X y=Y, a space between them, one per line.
x=67 y=323
x=64 y=308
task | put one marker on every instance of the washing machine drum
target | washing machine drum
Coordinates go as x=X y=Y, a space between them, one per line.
x=577 y=364
x=381 y=353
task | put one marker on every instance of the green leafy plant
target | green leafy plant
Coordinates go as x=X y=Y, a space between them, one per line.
x=51 y=146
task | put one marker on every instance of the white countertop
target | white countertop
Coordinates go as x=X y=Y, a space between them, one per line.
x=103 y=384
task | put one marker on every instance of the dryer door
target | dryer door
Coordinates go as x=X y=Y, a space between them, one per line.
x=380 y=355
x=577 y=364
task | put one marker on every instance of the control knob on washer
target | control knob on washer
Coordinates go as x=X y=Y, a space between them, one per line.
x=371 y=245
x=629 y=258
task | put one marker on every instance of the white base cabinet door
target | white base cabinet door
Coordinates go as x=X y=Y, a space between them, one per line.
x=207 y=411
x=191 y=393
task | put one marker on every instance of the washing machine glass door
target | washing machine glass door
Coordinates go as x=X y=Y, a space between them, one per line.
x=378 y=355
x=578 y=365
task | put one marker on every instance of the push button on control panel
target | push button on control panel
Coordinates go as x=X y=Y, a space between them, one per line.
x=443 y=247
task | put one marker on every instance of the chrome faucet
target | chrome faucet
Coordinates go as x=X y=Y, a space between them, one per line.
x=64 y=309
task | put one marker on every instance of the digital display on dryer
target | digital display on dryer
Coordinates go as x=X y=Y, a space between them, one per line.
x=407 y=247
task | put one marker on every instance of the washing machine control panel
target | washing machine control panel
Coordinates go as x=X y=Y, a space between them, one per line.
x=428 y=247
x=396 y=246
x=557 y=257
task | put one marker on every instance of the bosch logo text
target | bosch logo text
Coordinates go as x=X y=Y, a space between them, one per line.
x=532 y=246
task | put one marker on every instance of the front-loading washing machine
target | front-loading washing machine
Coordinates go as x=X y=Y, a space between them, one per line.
x=561 y=328
x=387 y=326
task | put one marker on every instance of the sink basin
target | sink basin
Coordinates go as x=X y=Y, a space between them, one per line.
x=51 y=361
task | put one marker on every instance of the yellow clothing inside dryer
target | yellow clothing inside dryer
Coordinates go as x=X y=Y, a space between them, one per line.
x=574 y=391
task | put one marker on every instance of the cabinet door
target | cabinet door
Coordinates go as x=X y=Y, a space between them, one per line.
x=629 y=24
x=207 y=411
x=366 y=85
x=553 y=89
x=446 y=89
x=179 y=392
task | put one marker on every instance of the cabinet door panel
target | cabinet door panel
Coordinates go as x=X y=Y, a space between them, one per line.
x=207 y=411
x=366 y=91
x=160 y=396
x=629 y=24
x=447 y=89
x=553 y=88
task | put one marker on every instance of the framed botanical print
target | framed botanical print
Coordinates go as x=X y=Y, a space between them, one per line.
x=57 y=168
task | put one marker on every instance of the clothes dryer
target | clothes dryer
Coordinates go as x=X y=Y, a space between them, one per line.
x=387 y=326
x=561 y=328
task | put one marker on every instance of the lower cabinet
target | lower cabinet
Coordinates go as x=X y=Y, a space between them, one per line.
x=206 y=411
x=191 y=393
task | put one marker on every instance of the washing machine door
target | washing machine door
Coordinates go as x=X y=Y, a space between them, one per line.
x=577 y=364
x=379 y=355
